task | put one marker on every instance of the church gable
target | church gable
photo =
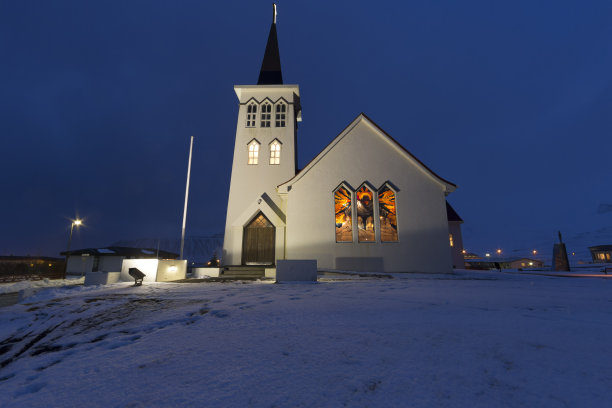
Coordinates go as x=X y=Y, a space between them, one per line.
x=363 y=144
x=366 y=203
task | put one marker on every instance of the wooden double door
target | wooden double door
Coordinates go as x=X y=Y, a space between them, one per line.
x=258 y=240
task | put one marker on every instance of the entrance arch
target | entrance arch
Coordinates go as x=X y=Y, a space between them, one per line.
x=258 y=241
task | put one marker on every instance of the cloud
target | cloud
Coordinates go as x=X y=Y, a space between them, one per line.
x=604 y=208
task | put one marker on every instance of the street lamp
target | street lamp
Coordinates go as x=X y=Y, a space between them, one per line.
x=76 y=222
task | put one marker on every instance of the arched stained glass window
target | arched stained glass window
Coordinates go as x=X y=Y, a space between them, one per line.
x=344 y=222
x=253 y=152
x=251 y=115
x=275 y=148
x=365 y=215
x=388 y=214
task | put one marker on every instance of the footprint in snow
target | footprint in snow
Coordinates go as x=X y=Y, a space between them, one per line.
x=30 y=389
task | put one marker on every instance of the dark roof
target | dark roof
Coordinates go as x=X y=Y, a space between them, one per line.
x=601 y=248
x=270 y=73
x=124 y=251
x=451 y=214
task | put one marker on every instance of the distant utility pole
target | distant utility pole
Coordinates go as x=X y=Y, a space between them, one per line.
x=186 y=198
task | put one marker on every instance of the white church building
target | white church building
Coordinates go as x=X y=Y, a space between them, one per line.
x=364 y=203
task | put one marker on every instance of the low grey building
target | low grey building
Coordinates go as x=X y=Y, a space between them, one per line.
x=601 y=253
x=109 y=259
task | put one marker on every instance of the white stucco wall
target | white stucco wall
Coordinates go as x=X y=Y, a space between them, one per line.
x=162 y=270
x=79 y=265
x=169 y=270
x=146 y=266
x=210 y=272
x=363 y=155
x=110 y=263
x=250 y=182
x=296 y=270
x=101 y=278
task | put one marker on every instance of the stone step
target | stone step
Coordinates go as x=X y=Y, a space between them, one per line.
x=240 y=271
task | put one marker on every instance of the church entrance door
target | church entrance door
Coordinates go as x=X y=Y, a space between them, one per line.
x=258 y=241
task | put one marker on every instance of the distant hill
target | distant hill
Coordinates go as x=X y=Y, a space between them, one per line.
x=198 y=249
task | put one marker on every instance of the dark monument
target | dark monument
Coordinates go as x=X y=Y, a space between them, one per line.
x=560 y=261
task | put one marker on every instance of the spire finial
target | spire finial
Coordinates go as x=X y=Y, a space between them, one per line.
x=274 y=18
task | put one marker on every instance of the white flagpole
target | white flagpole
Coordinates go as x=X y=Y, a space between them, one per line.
x=186 y=197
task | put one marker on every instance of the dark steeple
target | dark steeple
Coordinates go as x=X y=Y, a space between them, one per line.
x=270 y=73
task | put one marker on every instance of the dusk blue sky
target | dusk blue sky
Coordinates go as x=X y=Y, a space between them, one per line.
x=512 y=101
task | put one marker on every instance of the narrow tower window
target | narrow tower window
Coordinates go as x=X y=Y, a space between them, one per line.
x=253 y=152
x=266 y=115
x=251 y=115
x=275 y=148
x=281 y=111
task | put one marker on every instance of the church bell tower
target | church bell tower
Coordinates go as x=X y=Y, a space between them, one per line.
x=264 y=156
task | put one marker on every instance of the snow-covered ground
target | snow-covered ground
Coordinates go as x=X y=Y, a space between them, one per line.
x=475 y=339
x=38 y=284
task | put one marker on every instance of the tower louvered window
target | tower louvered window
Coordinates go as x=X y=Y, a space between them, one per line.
x=266 y=115
x=281 y=112
x=251 y=115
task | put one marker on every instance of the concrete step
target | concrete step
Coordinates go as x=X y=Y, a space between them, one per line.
x=243 y=271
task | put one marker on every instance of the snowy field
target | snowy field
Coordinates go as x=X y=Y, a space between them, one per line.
x=468 y=340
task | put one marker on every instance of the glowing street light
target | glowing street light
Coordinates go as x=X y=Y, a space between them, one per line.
x=74 y=223
x=499 y=251
x=534 y=252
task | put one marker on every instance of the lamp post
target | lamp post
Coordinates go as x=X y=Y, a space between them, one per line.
x=76 y=222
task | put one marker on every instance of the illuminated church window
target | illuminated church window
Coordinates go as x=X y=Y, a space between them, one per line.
x=281 y=111
x=253 y=152
x=275 y=148
x=251 y=115
x=261 y=222
x=387 y=212
x=266 y=115
x=365 y=215
x=450 y=239
x=344 y=222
